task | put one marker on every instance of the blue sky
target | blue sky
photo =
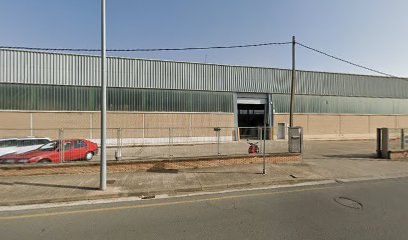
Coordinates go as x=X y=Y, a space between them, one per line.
x=369 y=32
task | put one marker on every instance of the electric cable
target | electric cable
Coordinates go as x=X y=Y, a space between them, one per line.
x=195 y=48
x=345 y=61
x=144 y=49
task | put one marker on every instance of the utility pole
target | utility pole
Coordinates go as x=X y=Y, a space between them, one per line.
x=293 y=86
x=103 y=98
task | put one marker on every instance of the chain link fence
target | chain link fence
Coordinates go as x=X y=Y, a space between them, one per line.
x=391 y=140
x=71 y=144
x=397 y=139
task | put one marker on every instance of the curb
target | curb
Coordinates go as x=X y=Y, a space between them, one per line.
x=362 y=179
x=170 y=192
x=189 y=191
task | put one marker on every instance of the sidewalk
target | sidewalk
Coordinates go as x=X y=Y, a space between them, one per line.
x=57 y=188
x=322 y=163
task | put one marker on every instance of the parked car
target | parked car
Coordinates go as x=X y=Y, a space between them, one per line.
x=21 y=145
x=74 y=149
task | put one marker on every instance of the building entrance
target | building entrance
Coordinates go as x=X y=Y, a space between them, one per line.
x=251 y=118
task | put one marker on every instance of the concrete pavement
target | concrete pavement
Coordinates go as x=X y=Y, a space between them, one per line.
x=55 y=188
x=340 y=161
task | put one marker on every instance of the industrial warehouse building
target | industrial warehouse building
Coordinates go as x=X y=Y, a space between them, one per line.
x=41 y=90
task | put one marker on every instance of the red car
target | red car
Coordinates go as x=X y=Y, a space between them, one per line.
x=74 y=149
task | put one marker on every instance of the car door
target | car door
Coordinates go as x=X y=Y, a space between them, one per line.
x=67 y=151
x=78 y=151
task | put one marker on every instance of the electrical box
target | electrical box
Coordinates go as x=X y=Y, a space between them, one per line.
x=295 y=135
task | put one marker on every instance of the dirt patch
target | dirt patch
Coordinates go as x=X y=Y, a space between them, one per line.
x=131 y=166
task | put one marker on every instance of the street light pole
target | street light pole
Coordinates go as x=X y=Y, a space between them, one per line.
x=103 y=98
x=293 y=85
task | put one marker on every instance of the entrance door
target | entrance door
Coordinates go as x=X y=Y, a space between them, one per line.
x=251 y=119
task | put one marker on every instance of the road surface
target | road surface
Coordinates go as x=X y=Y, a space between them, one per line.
x=360 y=210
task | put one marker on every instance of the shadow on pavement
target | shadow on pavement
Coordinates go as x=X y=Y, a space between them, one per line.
x=222 y=172
x=354 y=156
x=160 y=170
x=6 y=183
x=55 y=185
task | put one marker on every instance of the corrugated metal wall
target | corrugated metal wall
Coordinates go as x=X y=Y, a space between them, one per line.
x=335 y=104
x=83 y=70
x=74 y=98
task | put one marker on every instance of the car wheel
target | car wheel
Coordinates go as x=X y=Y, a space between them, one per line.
x=89 y=156
x=45 y=161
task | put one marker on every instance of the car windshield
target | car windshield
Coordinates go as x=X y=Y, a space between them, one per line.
x=49 y=146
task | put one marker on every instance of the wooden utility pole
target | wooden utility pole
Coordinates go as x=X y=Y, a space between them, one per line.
x=293 y=85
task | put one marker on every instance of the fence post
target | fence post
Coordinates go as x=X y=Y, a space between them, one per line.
x=61 y=144
x=90 y=126
x=217 y=131
x=218 y=140
x=259 y=133
x=402 y=139
x=264 y=151
x=118 y=154
x=170 y=143
x=239 y=134
x=271 y=133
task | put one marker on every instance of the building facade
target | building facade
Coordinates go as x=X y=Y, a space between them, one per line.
x=41 y=90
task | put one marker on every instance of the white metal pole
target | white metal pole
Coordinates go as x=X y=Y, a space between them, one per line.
x=103 y=98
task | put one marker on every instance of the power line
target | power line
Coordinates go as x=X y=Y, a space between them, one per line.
x=192 y=49
x=144 y=49
x=345 y=61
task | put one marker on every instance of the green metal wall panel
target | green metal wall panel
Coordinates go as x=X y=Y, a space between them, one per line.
x=74 y=98
x=335 y=104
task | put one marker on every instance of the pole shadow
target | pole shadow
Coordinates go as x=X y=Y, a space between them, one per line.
x=354 y=156
x=55 y=185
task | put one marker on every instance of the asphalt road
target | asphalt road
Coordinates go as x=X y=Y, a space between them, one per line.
x=381 y=212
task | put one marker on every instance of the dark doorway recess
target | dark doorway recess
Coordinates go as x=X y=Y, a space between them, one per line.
x=251 y=119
